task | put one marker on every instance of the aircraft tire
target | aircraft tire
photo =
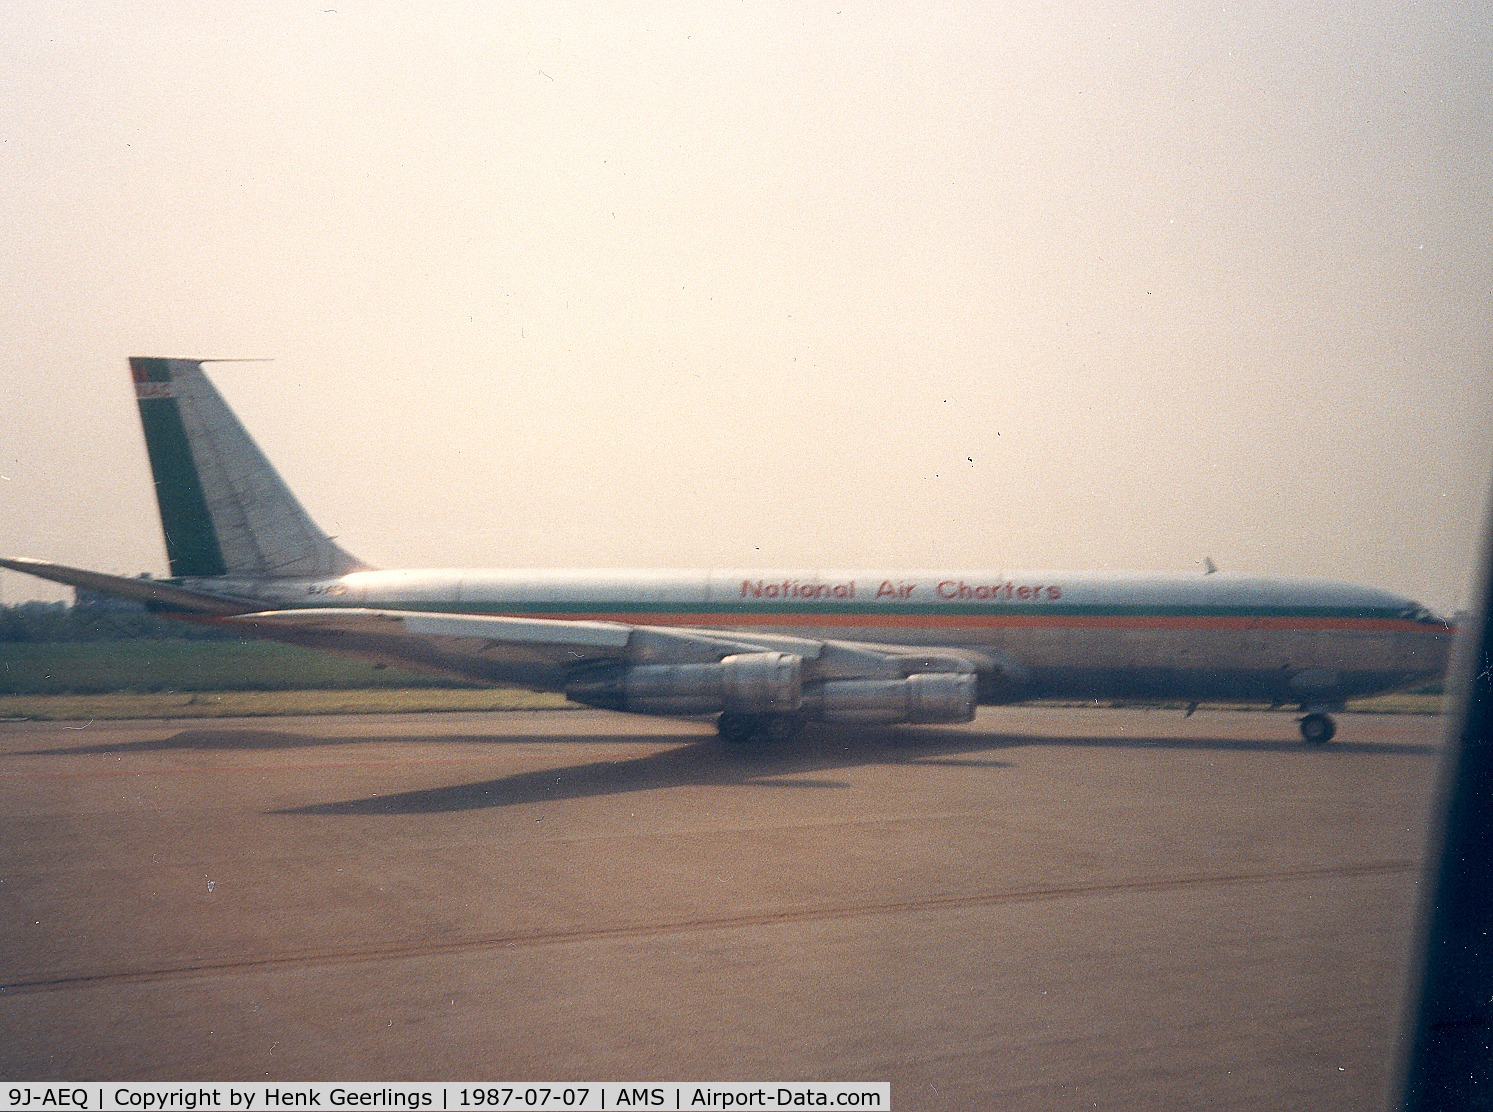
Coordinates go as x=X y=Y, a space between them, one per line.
x=1317 y=729
x=740 y=729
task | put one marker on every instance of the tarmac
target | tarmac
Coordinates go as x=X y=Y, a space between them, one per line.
x=1046 y=909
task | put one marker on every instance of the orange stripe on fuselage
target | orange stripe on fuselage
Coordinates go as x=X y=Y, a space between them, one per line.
x=796 y=620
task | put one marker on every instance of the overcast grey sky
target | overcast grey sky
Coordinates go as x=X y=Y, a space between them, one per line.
x=775 y=284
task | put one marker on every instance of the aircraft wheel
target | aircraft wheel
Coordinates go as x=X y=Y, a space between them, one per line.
x=1317 y=729
x=738 y=729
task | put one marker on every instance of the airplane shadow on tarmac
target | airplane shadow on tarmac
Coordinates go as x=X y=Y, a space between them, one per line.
x=697 y=760
x=701 y=762
x=708 y=761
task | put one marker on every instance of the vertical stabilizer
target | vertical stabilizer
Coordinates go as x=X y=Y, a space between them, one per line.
x=224 y=510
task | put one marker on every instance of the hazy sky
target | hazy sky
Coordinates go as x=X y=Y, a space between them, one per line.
x=734 y=282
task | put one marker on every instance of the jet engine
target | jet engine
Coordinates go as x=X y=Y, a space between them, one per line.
x=770 y=685
x=924 y=697
x=746 y=683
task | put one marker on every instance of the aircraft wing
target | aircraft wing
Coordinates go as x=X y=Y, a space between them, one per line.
x=550 y=655
x=522 y=651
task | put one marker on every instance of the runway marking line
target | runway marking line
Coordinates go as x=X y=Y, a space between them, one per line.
x=404 y=951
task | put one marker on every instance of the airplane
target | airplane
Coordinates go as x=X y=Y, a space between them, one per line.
x=763 y=651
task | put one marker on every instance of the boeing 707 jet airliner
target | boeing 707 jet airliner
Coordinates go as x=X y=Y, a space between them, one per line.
x=765 y=651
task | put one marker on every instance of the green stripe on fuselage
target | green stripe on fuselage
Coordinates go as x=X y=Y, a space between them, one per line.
x=943 y=609
x=191 y=543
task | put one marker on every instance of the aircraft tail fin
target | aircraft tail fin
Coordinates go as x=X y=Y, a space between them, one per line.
x=224 y=509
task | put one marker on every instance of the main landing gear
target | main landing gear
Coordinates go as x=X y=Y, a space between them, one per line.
x=756 y=729
x=1317 y=728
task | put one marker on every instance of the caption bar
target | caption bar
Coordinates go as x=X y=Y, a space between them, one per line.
x=577 y=1096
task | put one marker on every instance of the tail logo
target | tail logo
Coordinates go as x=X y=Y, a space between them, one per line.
x=145 y=390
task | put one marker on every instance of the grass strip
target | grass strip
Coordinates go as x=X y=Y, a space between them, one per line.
x=147 y=664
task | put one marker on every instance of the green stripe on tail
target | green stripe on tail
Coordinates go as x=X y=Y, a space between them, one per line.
x=192 y=547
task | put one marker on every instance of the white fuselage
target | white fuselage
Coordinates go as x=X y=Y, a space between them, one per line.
x=1046 y=634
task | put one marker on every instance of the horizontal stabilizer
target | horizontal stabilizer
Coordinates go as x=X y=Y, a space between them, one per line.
x=135 y=590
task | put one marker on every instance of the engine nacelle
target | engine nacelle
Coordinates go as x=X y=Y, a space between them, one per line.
x=746 y=683
x=925 y=697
